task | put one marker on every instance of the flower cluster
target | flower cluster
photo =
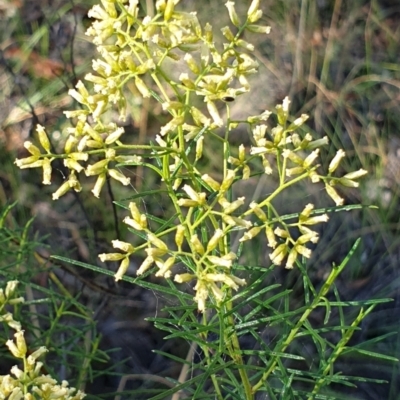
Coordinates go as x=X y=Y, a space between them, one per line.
x=28 y=383
x=135 y=49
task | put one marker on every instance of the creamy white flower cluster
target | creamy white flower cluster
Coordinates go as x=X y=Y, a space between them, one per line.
x=299 y=154
x=28 y=383
x=133 y=49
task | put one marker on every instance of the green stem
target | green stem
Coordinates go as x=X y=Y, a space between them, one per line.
x=292 y=334
x=235 y=350
x=209 y=362
x=279 y=190
x=340 y=347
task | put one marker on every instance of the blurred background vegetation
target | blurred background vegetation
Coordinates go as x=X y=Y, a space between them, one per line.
x=339 y=62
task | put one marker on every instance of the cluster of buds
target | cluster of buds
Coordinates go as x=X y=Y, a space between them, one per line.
x=29 y=383
x=210 y=270
x=348 y=180
x=36 y=160
x=284 y=141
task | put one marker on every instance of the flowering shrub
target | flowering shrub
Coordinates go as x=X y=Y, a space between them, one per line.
x=135 y=49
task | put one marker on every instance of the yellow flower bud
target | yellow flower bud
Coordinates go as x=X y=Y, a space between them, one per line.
x=14 y=349
x=179 y=236
x=278 y=254
x=213 y=242
x=141 y=86
x=230 y=5
x=10 y=288
x=187 y=203
x=21 y=344
x=46 y=172
x=114 y=136
x=134 y=211
x=258 y=211
x=118 y=176
x=267 y=166
x=36 y=354
x=122 y=269
x=355 y=174
x=236 y=222
x=111 y=256
x=97 y=168
x=165 y=267
x=199 y=118
x=199 y=147
x=143 y=221
x=73 y=165
x=283 y=233
x=246 y=172
x=311 y=158
x=199 y=198
x=169 y=10
x=43 y=139
x=32 y=148
x=297 y=123
x=254 y=6
x=26 y=162
x=184 y=78
x=70 y=143
x=251 y=233
x=214 y=185
x=124 y=246
x=155 y=253
x=315 y=220
x=258 y=28
x=133 y=224
x=182 y=278
x=334 y=195
x=306 y=212
x=92 y=133
x=77 y=96
x=64 y=188
x=304 y=251
x=16 y=300
x=314 y=177
x=246 y=45
x=292 y=156
x=228 y=33
x=230 y=208
x=101 y=180
x=270 y=237
x=283 y=111
x=146 y=264
x=228 y=180
x=220 y=261
x=226 y=279
x=291 y=259
x=216 y=291
x=192 y=64
x=201 y=295
x=208 y=34
x=336 y=161
x=99 y=110
x=195 y=242
x=154 y=240
x=348 y=182
x=308 y=237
